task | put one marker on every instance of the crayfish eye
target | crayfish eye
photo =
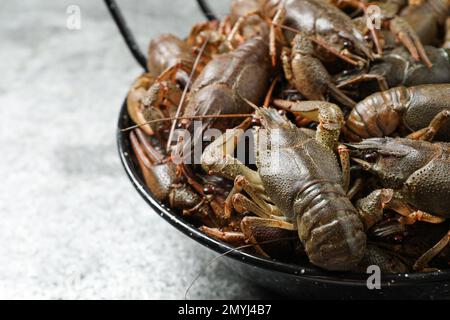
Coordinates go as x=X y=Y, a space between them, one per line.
x=371 y=157
x=347 y=44
x=209 y=189
x=282 y=113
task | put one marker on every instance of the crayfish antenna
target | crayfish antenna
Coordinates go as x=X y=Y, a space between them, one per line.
x=251 y=104
x=200 y=117
x=227 y=253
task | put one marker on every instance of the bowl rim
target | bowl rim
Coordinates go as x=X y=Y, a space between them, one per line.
x=306 y=272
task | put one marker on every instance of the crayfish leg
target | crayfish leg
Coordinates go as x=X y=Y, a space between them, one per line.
x=370 y=208
x=276 y=32
x=406 y=34
x=328 y=115
x=134 y=100
x=428 y=133
x=256 y=193
x=231 y=237
x=259 y=230
x=422 y=262
x=218 y=158
x=381 y=80
x=344 y=157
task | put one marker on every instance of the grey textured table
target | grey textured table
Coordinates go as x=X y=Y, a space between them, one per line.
x=71 y=224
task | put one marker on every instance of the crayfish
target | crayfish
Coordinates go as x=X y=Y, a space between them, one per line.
x=322 y=138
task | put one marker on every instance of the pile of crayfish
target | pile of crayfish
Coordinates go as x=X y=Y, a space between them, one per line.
x=342 y=108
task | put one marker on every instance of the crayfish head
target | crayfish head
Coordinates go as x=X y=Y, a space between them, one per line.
x=358 y=44
x=272 y=119
x=350 y=46
x=276 y=134
x=392 y=160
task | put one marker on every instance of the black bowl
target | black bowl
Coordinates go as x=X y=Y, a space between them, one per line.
x=290 y=280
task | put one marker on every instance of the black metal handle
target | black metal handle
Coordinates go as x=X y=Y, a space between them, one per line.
x=206 y=10
x=127 y=35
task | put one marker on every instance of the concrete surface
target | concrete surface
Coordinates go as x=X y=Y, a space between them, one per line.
x=71 y=224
